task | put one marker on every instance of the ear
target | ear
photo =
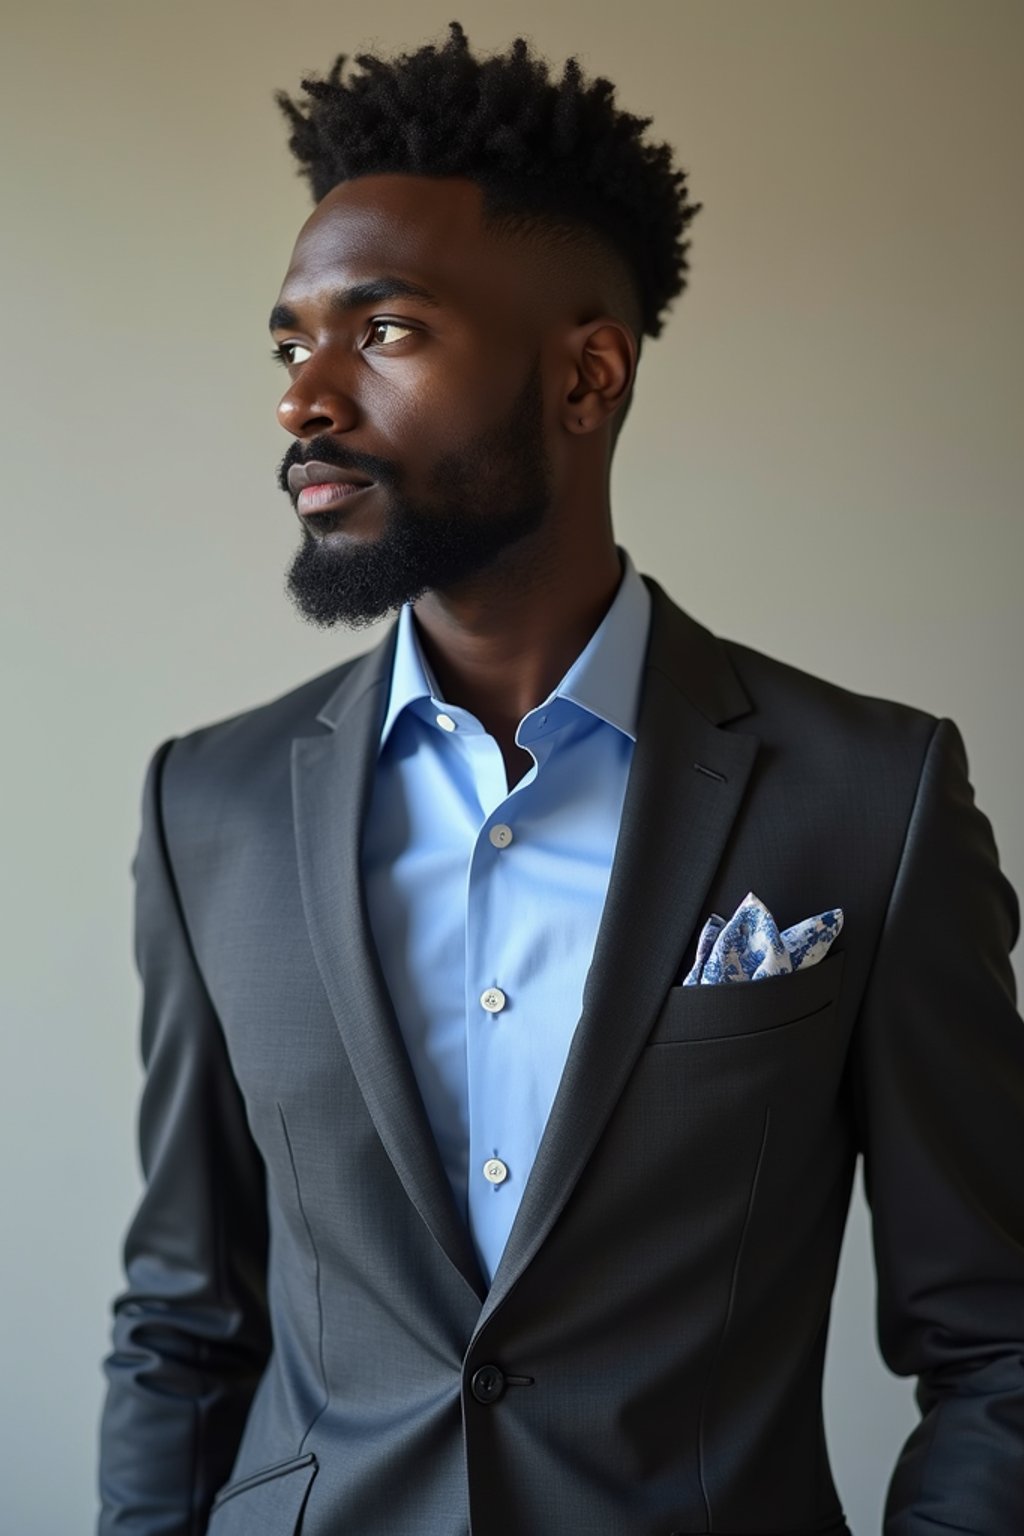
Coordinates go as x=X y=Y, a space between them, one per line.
x=603 y=358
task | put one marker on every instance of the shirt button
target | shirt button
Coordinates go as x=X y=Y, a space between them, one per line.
x=446 y=723
x=493 y=999
x=495 y=1171
x=500 y=835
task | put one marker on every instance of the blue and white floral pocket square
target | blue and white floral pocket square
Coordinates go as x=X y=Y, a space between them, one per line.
x=749 y=947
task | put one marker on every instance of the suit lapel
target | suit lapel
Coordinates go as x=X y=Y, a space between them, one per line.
x=332 y=778
x=676 y=819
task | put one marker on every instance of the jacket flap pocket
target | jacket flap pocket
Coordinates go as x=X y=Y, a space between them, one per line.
x=270 y=1500
x=747 y=1007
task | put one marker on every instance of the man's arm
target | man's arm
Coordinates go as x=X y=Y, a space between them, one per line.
x=190 y=1331
x=940 y=1103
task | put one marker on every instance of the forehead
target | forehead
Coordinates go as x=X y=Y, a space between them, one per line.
x=426 y=228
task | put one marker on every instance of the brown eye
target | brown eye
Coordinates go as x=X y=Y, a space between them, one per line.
x=377 y=326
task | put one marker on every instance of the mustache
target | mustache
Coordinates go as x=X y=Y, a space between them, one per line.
x=327 y=450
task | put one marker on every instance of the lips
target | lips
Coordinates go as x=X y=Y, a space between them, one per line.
x=319 y=498
x=301 y=476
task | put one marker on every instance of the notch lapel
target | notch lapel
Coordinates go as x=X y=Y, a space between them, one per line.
x=332 y=778
x=676 y=820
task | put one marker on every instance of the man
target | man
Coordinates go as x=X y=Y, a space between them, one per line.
x=466 y=1211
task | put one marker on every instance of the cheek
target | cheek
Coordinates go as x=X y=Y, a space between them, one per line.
x=428 y=412
x=413 y=402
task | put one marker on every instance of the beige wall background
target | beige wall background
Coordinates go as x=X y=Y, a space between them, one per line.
x=823 y=460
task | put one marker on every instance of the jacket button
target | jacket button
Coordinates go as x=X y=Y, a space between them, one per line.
x=488 y=1384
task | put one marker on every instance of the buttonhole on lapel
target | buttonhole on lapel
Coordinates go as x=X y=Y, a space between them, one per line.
x=710 y=772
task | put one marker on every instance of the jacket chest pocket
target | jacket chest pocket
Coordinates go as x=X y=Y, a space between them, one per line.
x=731 y=1010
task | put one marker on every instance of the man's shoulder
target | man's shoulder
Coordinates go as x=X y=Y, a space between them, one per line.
x=783 y=702
x=254 y=744
x=797 y=696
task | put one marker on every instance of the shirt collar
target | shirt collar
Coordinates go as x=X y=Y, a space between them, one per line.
x=604 y=679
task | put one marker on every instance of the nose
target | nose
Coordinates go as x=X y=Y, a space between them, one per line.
x=315 y=402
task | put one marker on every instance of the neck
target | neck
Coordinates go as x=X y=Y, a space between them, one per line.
x=500 y=643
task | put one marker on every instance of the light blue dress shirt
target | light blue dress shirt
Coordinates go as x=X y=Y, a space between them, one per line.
x=484 y=903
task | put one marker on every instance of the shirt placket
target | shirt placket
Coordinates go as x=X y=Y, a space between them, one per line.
x=498 y=909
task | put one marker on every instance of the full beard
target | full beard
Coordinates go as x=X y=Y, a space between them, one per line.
x=489 y=496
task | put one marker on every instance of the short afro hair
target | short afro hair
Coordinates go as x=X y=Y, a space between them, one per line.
x=547 y=157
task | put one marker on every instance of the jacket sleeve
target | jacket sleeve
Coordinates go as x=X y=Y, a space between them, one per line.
x=940 y=1105
x=190 y=1333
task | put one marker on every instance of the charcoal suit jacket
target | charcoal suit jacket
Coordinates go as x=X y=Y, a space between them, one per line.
x=305 y=1343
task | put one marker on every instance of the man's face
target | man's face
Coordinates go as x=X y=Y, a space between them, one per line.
x=412 y=344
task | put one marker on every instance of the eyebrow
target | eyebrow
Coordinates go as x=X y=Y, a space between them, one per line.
x=343 y=300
